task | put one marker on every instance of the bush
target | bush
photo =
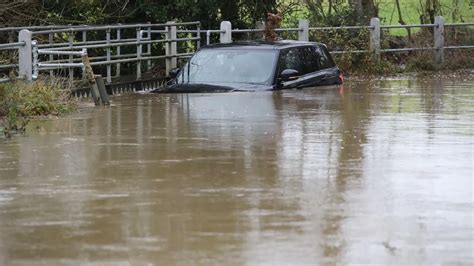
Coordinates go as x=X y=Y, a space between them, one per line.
x=20 y=100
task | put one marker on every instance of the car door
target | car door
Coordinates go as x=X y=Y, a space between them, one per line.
x=329 y=72
x=303 y=59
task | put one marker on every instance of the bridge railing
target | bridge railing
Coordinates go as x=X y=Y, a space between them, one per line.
x=118 y=50
x=11 y=47
x=374 y=30
x=142 y=43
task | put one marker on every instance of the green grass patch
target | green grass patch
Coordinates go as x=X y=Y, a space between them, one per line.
x=20 y=101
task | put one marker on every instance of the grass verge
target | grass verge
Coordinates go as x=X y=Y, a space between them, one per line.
x=20 y=101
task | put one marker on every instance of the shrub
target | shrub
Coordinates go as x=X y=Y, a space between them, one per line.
x=20 y=100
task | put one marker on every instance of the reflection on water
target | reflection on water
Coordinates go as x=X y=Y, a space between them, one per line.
x=376 y=172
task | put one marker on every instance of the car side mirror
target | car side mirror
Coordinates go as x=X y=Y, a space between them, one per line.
x=289 y=74
x=174 y=72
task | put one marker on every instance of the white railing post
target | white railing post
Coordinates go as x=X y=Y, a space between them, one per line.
x=171 y=47
x=439 y=39
x=198 y=35
x=303 y=33
x=226 y=32
x=260 y=25
x=25 y=56
x=208 y=37
x=375 y=38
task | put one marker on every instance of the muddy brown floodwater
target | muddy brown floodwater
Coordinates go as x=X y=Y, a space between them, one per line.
x=376 y=172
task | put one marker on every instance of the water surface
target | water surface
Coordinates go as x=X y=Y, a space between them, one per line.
x=374 y=172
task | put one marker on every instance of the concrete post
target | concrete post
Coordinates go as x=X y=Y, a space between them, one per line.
x=171 y=47
x=208 y=37
x=198 y=35
x=25 y=56
x=303 y=33
x=439 y=39
x=260 y=25
x=226 y=32
x=375 y=38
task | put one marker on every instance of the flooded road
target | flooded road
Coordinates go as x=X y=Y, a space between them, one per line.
x=376 y=172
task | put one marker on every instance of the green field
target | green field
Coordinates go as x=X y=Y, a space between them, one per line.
x=411 y=10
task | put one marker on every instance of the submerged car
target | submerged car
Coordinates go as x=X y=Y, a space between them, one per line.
x=255 y=66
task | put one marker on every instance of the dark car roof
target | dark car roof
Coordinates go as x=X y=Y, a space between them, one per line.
x=277 y=45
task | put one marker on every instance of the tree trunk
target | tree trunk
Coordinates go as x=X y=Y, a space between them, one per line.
x=400 y=19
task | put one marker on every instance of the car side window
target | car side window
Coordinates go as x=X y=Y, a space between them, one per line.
x=291 y=59
x=303 y=59
x=310 y=59
x=325 y=59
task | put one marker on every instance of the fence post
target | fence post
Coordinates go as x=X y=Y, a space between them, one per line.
x=198 y=35
x=226 y=32
x=439 y=39
x=25 y=56
x=303 y=33
x=171 y=47
x=260 y=25
x=208 y=37
x=375 y=38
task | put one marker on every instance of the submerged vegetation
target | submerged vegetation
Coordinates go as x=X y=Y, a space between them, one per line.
x=19 y=101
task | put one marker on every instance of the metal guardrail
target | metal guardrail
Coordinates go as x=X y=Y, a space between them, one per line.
x=108 y=51
x=112 y=47
x=10 y=46
x=112 y=27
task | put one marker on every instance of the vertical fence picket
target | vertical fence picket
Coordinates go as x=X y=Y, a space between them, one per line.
x=117 y=66
x=148 y=48
x=108 y=50
x=51 y=57
x=71 y=43
x=139 y=53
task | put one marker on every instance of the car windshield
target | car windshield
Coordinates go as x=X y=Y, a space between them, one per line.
x=230 y=66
